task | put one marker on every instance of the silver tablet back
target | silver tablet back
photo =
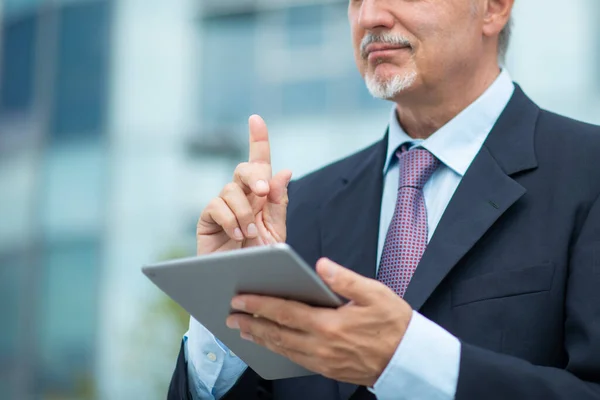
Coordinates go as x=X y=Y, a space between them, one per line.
x=204 y=287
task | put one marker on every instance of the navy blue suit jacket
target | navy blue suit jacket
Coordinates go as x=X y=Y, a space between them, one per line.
x=512 y=270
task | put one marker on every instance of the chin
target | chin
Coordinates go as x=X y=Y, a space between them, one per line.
x=389 y=87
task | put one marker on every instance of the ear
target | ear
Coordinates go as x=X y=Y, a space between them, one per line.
x=496 y=16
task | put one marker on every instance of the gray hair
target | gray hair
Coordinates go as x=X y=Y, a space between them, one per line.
x=504 y=40
x=503 y=37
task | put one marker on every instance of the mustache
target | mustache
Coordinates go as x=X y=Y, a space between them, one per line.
x=384 y=38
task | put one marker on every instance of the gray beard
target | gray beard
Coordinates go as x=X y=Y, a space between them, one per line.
x=390 y=88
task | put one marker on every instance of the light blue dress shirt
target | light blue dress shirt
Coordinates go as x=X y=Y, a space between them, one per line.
x=426 y=363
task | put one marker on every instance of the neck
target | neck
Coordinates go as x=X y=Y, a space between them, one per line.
x=423 y=114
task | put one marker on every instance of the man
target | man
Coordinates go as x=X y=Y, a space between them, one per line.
x=467 y=240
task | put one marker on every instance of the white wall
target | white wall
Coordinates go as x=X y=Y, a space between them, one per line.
x=554 y=55
x=151 y=112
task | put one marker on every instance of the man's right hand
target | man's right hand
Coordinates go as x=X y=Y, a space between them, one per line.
x=251 y=210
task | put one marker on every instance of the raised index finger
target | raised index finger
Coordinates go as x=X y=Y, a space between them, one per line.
x=260 y=150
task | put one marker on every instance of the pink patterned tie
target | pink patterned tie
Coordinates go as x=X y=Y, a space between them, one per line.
x=406 y=238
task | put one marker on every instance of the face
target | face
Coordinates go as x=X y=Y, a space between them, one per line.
x=410 y=45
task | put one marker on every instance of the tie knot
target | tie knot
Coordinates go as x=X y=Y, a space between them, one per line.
x=416 y=167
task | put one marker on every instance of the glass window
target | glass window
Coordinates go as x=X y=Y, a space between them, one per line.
x=307 y=97
x=11 y=7
x=82 y=67
x=67 y=317
x=17 y=192
x=18 y=63
x=73 y=195
x=11 y=269
x=304 y=25
x=228 y=74
x=10 y=272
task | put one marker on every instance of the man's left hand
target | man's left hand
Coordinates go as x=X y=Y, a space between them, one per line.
x=353 y=343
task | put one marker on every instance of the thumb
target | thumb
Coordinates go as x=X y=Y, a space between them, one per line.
x=275 y=210
x=345 y=282
x=278 y=185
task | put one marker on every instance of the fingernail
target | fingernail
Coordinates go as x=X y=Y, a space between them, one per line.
x=232 y=323
x=238 y=304
x=247 y=336
x=238 y=234
x=252 y=231
x=262 y=186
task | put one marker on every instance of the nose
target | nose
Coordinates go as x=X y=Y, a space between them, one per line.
x=374 y=15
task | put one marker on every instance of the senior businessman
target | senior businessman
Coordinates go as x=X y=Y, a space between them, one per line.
x=467 y=239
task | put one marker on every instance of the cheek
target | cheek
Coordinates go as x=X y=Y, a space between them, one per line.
x=425 y=26
x=357 y=37
x=435 y=46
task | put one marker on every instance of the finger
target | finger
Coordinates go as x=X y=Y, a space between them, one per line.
x=237 y=201
x=296 y=346
x=348 y=283
x=219 y=215
x=267 y=333
x=260 y=151
x=291 y=314
x=278 y=187
x=253 y=178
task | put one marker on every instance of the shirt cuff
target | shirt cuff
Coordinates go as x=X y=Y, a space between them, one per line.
x=205 y=359
x=425 y=365
x=212 y=368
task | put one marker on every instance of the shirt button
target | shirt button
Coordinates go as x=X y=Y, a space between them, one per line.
x=211 y=357
x=231 y=353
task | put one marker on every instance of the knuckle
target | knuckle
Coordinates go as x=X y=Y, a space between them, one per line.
x=241 y=167
x=260 y=341
x=274 y=336
x=241 y=171
x=212 y=205
x=283 y=318
x=330 y=329
x=246 y=215
x=230 y=189
x=278 y=349
x=230 y=222
x=322 y=352
x=209 y=209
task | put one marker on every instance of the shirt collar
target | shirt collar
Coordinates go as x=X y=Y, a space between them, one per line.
x=457 y=143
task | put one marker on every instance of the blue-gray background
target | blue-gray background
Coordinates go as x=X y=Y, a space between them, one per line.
x=120 y=119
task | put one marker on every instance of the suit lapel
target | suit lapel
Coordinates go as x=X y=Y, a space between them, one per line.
x=349 y=221
x=485 y=193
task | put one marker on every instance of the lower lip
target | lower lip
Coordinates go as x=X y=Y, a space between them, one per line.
x=374 y=55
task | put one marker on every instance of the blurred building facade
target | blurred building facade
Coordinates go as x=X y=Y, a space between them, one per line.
x=120 y=119
x=55 y=63
x=95 y=99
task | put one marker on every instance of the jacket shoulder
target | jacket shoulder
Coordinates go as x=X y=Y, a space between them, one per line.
x=573 y=129
x=574 y=142
x=320 y=181
x=569 y=150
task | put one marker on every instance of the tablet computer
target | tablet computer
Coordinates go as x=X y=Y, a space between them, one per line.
x=205 y=285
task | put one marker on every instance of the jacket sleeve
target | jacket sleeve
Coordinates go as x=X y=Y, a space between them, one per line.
x=488 y=375
x=179 y=389
x=248 y=387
